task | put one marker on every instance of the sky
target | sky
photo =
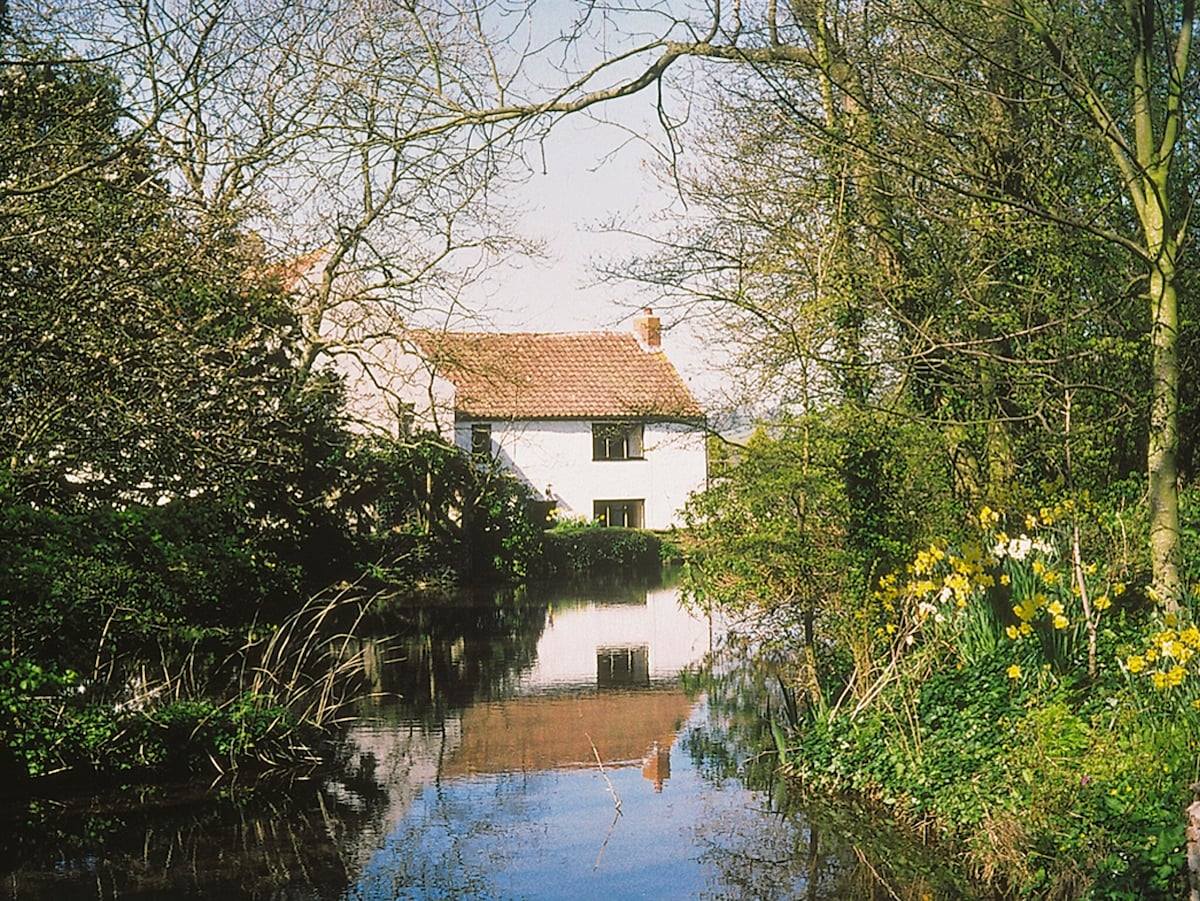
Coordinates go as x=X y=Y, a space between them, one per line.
x=589 y=174
x=584 y=179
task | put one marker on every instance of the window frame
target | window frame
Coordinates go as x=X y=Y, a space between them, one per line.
x=634 y=505
x=482 y=446
x=618 y=441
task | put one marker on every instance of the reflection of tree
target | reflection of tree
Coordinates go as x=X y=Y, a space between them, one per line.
x=842 y=850
x=734 y=740
x=265 y=842
x=615 y=588
x=432 y=853
x=446 y=657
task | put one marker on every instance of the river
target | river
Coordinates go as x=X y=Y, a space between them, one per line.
x=549 y=745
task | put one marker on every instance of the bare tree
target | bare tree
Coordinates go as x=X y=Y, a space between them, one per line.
x=380 y=127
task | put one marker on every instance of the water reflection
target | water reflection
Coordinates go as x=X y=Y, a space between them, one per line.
x=538 y=746
x=269 y=842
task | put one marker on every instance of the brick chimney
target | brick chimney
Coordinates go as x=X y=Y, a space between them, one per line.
x=648 y=329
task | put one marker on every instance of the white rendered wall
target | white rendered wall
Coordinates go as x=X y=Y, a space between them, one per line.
x=380 y=375
x=557 y=455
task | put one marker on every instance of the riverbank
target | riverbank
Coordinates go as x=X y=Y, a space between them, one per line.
x=1040 y=726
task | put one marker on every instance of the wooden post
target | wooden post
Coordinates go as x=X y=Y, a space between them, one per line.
x=1193 y=844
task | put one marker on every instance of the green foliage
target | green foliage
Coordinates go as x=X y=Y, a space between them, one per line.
x=1057 y=778
x=48 y=734
x=574 y=549
x=1052 y=798
x=429 y=511
x=168 y=470
x=797 y=525
x=78 y=588
x=139 y=360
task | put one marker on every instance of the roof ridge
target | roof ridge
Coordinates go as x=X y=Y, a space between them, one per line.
x=487 y=334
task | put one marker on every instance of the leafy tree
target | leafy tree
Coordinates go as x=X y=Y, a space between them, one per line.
x=139 y=362
x=785 y=541
x=1137 y=112
x=162 y=463
x=430 y=511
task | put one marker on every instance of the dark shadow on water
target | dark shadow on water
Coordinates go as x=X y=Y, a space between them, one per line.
x=271 y=840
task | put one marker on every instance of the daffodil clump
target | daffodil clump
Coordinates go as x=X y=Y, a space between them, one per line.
x=1170 y=659
x=1020 y=573
x=935 y=589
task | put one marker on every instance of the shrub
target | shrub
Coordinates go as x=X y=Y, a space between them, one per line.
x=575 y=549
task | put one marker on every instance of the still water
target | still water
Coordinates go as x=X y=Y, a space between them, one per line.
x=557 y=745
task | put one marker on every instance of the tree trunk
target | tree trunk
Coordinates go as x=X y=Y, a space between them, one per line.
x=1163 y=443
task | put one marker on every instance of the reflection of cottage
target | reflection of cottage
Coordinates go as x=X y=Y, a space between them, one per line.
x=599 y=422
x=623 y=667
x=604 y=681
x=534 y=733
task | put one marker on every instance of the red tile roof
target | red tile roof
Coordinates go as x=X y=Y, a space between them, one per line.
x=557 y=375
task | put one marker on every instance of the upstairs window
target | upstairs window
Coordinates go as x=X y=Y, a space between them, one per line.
x=617 y=441
x=481 y=440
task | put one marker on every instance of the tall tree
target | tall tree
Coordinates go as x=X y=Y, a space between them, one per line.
x=929 y=113
x=1132 y=72
x=139 y=360
x=347 y=130
x=929 y=100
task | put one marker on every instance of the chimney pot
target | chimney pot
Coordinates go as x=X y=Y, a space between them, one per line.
x=648 y=329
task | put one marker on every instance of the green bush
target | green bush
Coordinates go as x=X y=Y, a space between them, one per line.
x=433 y=514
x=1029 y=703
x=75 y=583
x=574 y=549
x=50 y=726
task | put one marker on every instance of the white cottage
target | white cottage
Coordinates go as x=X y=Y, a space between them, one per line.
x=599 y=422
